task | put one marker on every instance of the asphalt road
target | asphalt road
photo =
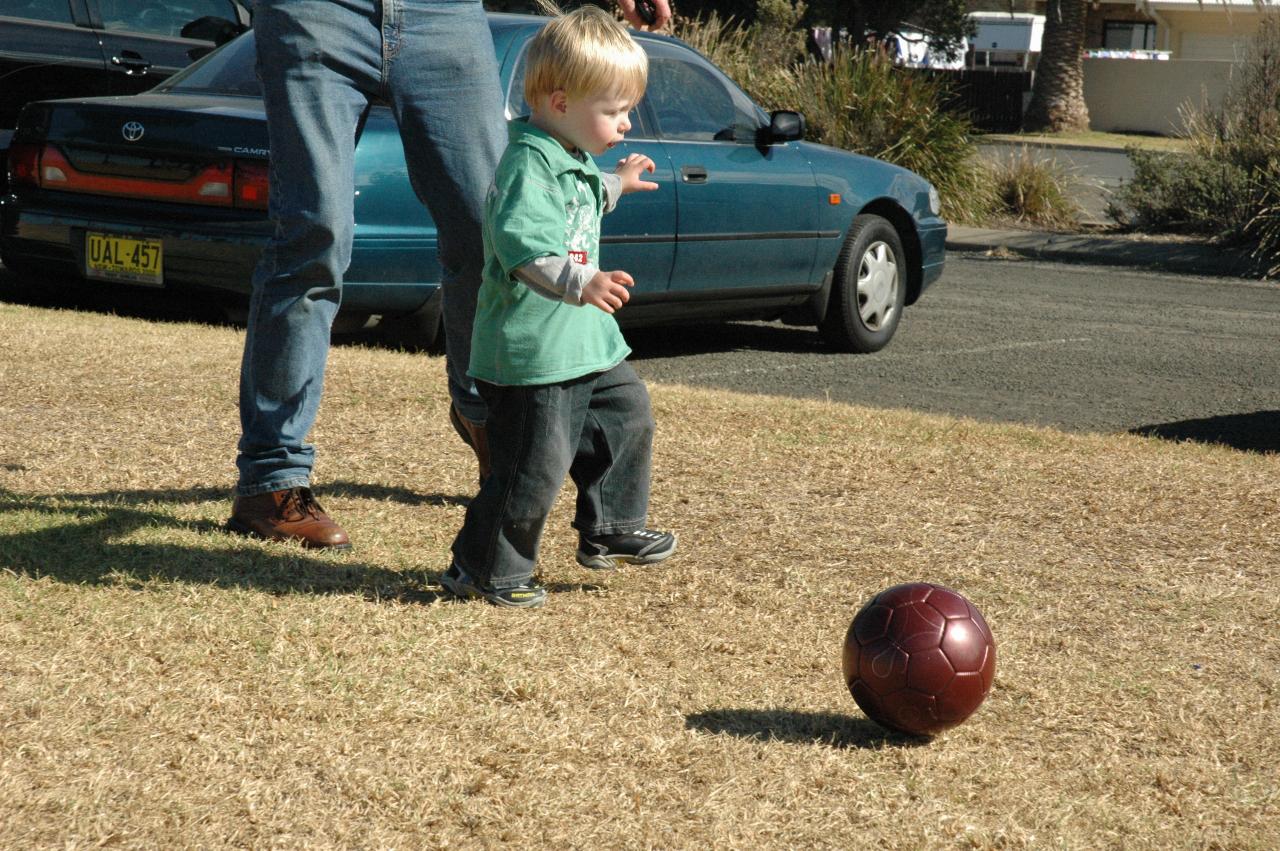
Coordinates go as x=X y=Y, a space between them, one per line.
x=1082 y=348
x=1077 y=347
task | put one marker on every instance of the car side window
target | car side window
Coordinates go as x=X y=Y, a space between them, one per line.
x=158 y=17
x=517 y=106
x=694 y=102
x=53 y=11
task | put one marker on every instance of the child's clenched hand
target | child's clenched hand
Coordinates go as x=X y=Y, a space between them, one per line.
x=608 y=290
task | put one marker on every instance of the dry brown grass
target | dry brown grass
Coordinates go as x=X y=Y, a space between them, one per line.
x=163 y=684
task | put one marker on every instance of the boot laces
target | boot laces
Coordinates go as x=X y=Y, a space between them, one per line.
x=303 y=502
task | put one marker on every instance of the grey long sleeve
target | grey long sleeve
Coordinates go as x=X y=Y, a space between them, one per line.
x=557 y=277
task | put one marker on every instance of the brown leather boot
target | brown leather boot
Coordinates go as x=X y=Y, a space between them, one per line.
x=474 y=436
x=287 y=515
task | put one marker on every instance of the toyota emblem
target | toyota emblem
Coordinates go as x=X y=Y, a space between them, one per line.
x=132 y=131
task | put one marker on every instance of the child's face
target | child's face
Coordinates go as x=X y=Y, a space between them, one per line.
x=592 y=122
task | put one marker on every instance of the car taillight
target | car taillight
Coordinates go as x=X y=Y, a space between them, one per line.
x=252 y=185
x=24 y=164
x=222 y=184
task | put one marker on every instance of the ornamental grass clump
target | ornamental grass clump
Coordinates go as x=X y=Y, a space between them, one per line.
x=1033 y=191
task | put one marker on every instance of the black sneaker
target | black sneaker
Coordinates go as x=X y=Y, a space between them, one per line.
x=459 y=583
x=605 y=552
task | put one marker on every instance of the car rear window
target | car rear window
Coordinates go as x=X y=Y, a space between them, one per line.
x=229 y=70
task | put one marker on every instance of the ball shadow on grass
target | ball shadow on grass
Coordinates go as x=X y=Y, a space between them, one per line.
x=786 y=725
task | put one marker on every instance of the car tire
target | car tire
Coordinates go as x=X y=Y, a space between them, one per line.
x=869 y=288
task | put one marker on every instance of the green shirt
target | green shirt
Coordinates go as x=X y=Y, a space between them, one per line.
x=544 y=201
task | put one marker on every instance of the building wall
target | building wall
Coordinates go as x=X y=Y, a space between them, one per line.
x=1220 y=36
x=1145 y=96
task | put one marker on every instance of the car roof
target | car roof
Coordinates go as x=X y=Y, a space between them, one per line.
x=508 y=24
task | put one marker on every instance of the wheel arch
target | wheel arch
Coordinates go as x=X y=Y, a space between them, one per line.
x=888 y=209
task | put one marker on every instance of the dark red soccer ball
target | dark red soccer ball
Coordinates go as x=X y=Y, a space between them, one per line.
x=919 y=658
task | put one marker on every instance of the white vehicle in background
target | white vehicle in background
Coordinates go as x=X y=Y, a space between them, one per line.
x=914 y=50
x=1005 y=39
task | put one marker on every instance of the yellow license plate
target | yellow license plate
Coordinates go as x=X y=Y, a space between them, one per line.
x=124 y=258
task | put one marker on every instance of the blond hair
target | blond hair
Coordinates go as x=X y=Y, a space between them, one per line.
x=582 y=52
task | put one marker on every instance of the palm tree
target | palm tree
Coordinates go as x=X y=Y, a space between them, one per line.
x=1057 y=96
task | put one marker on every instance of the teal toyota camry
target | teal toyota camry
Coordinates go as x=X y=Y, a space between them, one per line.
x=169 y=189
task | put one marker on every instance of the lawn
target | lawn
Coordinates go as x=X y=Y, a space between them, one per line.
x=164 y=684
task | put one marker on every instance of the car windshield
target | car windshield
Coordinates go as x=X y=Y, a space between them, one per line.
x=229 y=70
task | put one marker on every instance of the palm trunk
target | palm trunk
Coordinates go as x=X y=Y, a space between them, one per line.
x=1057 y=97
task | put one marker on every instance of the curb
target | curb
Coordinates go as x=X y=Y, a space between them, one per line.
x=1066 y=146
x=1189 y=258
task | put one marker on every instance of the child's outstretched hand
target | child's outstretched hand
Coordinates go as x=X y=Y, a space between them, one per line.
x=608 y=290
x=630 y=168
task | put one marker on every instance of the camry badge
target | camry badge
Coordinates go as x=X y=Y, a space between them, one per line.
x=132 y=131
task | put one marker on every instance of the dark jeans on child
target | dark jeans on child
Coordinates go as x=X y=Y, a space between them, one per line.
x=597 y=429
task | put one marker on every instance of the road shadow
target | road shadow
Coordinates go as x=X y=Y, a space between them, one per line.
x=84 y=538
x=1255 y=432
x=60 y=292
x=807 y=728
x=227 y=310
x=676 y=340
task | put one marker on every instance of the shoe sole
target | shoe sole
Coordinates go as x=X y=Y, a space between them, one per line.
x=470 y=592
x=602 y=562
x=236 y=528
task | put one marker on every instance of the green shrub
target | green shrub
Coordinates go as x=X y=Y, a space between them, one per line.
x=1034 y=191
x=1184 y=193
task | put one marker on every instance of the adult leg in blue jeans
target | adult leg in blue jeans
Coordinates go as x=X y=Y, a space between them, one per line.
x=321 y=62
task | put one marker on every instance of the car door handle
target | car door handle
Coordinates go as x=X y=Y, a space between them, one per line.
x=133 y=64
x=693 y=174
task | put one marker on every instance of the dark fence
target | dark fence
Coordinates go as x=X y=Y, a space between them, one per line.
x=992 y=99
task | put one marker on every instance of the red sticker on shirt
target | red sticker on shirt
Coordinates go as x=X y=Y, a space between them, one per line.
x=578 y=257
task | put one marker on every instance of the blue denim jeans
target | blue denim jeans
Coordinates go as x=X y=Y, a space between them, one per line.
x=598 y=430
x=321 y=62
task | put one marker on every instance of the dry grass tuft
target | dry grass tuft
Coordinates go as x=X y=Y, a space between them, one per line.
x=163 y=684
x=1034 y=191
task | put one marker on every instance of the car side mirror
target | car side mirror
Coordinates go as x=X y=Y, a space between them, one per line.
x=785 y=126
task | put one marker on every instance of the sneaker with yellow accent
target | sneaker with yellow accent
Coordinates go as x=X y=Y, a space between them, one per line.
x=462 y=585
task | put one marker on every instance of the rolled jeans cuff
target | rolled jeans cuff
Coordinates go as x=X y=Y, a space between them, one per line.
x=259 y=488
x=620 y=527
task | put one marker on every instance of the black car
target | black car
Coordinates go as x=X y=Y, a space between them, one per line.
x=83 y=48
